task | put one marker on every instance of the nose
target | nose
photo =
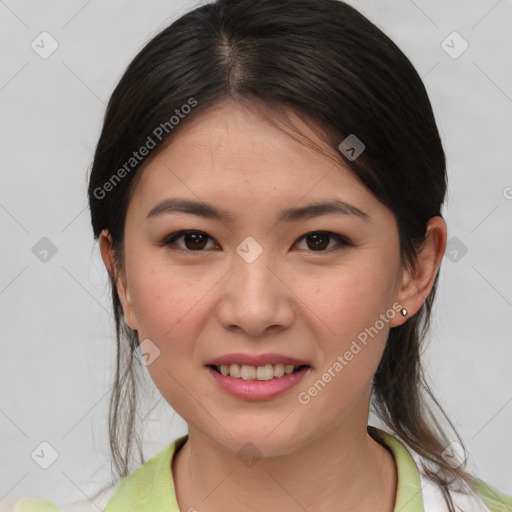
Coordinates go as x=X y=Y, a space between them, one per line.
x=255 y=298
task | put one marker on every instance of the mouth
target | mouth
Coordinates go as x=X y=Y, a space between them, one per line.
x=252 y=383
x=261 y=373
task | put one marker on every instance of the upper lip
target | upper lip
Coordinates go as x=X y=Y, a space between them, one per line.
x=255 y=360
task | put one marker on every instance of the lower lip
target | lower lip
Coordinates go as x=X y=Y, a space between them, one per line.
x=258 y=389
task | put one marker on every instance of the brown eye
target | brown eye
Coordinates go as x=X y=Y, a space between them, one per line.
x=193 y=240
x=318 y=241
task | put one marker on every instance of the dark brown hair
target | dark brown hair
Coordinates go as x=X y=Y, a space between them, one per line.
x=330 y=65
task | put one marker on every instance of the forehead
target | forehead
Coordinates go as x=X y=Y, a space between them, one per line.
x=236 y=157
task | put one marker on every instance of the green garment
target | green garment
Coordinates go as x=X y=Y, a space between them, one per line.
x=151 y=487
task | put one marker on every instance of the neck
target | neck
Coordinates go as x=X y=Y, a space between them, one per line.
x=346 y=470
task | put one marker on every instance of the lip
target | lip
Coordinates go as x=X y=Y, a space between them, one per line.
x=258 y=389
x=255 y=360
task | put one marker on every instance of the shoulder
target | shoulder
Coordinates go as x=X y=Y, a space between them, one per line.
x=478 y=496
x=151 y=487
x=415 y=484
x=33 y=504
x=466 y=498
x=142 y=490
x=493 y=498
x=29 y=504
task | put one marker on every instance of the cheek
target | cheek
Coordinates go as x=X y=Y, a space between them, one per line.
x=345 y=307
x=344 y=312
x=173 y=306
x=170 y=310
x=168 y=303
x=345 y=301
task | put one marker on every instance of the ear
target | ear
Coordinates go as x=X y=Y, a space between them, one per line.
x=417 y=281
x=107 y=255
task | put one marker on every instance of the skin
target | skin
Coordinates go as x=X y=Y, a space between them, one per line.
x=292 y=299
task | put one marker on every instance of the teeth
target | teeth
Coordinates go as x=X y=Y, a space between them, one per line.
x=247 y=372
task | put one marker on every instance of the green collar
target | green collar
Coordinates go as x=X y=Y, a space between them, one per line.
x=151 y=487
x=409 y=497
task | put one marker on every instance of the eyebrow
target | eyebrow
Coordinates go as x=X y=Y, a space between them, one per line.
x=208 y=211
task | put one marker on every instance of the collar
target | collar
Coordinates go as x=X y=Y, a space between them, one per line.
x=151 y=487
x=409 y=497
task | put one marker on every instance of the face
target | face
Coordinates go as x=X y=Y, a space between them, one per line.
x=312 y=287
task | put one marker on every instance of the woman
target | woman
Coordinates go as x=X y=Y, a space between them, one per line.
x=267 y=193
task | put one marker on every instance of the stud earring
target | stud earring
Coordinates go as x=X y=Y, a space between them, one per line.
x=404 y=312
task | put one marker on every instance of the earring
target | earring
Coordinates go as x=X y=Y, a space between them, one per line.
x=404 y=312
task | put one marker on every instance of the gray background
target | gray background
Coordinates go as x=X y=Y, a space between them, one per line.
x=57 y=330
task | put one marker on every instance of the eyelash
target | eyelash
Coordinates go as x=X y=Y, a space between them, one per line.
x=170 y=239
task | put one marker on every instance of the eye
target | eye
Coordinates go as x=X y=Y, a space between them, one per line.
x=318 y=241
x=194 y=241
